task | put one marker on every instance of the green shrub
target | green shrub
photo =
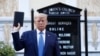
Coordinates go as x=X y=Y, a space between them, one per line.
x=6 y=50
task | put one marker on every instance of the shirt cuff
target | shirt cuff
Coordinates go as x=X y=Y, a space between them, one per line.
x=14 y=30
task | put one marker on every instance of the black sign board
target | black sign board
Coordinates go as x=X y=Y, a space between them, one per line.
x=64 y=20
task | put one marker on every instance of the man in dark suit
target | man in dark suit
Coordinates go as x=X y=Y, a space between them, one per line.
x=38 y=42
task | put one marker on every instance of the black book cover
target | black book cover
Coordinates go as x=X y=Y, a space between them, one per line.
x=18 y=18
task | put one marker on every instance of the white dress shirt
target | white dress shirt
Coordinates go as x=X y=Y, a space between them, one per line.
x=38 y=35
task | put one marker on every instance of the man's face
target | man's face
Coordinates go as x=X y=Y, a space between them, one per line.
x=41 y=22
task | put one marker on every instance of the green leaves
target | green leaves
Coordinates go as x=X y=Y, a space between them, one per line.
x=6 y=50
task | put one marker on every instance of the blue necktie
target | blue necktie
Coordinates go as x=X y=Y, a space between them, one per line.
x=41 y=44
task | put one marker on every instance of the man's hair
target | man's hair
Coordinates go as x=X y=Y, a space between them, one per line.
x=39 y=15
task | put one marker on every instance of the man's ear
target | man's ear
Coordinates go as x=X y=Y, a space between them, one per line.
x=34 y=22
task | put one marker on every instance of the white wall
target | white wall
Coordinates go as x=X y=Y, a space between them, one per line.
x=24 y=6
x=36 y=4
x=72 y=2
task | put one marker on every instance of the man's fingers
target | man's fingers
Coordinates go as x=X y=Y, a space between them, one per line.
x=18 y=24
x=16 y=28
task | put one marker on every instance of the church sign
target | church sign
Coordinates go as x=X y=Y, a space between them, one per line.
x=64 y=20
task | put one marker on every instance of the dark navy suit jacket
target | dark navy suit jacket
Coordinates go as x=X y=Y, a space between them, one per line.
x=28 y=41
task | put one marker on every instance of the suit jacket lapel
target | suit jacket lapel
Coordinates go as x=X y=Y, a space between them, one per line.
x=35 y=42
x=46 y=42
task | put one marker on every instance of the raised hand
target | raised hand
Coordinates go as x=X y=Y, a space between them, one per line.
x=16 y=29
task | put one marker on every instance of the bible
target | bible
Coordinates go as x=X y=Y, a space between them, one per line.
x=18 y=18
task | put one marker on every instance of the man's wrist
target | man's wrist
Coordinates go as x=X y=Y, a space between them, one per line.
x=15 y=30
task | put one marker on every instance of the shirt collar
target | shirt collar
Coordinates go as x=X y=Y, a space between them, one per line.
x=38 y=31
